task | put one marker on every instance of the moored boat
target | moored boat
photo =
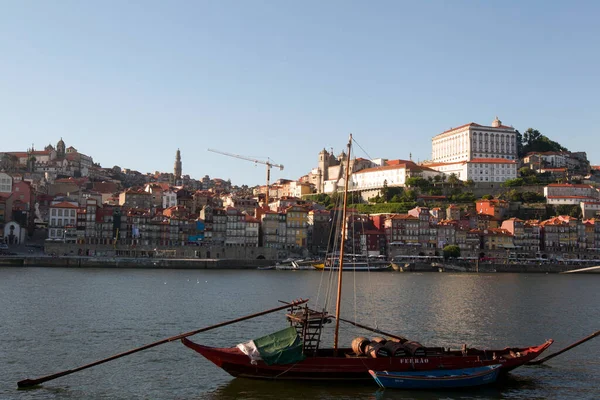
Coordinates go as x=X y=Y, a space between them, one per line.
x=324 y=364
x=339 y=363
x=437 y=379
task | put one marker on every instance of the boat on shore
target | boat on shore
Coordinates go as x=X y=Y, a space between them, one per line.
x=437 y=379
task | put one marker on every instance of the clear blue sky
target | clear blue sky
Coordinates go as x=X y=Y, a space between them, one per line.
x=129 y=82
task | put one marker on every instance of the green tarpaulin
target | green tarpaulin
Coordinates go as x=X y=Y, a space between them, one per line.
x=283 y=347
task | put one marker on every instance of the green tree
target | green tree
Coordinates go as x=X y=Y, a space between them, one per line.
x=533 y=197
x=487 y=197
x=409 y=195
x=533 y=140
x=513 y=182
x=451 y=251
x=418 y=182
x=526 y=171
x=520 y=153
x=385 y=193
x=453 y=179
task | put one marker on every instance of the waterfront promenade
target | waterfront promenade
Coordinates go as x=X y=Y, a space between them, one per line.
x=41 y=260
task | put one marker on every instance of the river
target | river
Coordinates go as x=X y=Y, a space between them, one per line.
x=54 y=319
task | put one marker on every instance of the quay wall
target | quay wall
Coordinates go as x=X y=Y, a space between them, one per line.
x=121 y=262
x=216 y=264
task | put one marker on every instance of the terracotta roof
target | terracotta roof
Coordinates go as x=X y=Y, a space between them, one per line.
x=475 y=125
x=409 y=165
x=63 y=204
x=459 y=127
x=571 y=197
x=404 y=216
x=497 y=232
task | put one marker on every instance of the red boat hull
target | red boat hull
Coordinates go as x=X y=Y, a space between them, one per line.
x=350 y=367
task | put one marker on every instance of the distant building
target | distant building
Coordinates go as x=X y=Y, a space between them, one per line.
x=471 y=141
x=572 y=194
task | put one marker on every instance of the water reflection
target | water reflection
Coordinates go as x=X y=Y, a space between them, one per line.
x=265 y=390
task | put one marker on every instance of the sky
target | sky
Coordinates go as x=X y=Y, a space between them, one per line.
x=129 y=83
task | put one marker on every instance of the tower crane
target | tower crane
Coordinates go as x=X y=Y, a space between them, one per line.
x=255 y=161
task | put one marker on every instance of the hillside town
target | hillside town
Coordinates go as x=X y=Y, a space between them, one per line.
x=479 y=192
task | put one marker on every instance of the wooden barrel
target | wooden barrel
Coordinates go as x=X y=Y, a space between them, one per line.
x=414 y=348
x=379 y=340
x=396 y=349
x=359 y=345
x=377 y=350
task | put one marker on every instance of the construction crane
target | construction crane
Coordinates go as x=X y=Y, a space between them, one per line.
x=255 y=161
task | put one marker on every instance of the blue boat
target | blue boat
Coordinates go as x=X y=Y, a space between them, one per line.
x=437 y=379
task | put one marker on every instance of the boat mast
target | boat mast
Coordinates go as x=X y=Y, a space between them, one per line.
x=341 y=258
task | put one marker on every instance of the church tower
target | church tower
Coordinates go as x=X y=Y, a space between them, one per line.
x=177 y=169
x=323 y=170
x=60 y=149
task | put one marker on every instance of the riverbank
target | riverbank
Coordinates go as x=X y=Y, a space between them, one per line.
x=124 y=262
x=231 y=263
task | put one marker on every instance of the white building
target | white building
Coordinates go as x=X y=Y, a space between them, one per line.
x=567 y=193
x=5 y=183
x=475 y=141
x=589 y=209
x=169 y=199
x=390 y=175
x=480 y=169
x=63 y=214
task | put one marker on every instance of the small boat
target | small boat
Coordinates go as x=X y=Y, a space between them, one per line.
x=437 y=379
x=353 y=262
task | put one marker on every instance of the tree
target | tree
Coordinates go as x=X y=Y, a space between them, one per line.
x=513 y=182
x=487 y=197
x=409 y=195
x=453 y=179
x=520 y=153
x=451 y=251
x=385 y=192
x=419 y=182
x=9 y=162
x=526 y=171
x=533 y=140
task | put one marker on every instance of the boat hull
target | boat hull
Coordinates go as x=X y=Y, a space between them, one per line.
x=347 y=366
x=438 y=379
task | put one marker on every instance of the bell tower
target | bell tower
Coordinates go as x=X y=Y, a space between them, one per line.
x=177 y=169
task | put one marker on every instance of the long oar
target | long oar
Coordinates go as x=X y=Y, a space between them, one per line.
x=32 y=382
x=401 y=338
x=585 y=339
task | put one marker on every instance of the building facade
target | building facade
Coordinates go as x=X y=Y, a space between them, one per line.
x=475 y=141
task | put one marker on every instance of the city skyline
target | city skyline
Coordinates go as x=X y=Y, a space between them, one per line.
x=130 y=84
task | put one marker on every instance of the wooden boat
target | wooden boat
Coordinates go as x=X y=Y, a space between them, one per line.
x=338 y=363
x=437 y=379
x=324 y=364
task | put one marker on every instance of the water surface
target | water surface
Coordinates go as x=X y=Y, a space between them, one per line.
x=53 y=319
